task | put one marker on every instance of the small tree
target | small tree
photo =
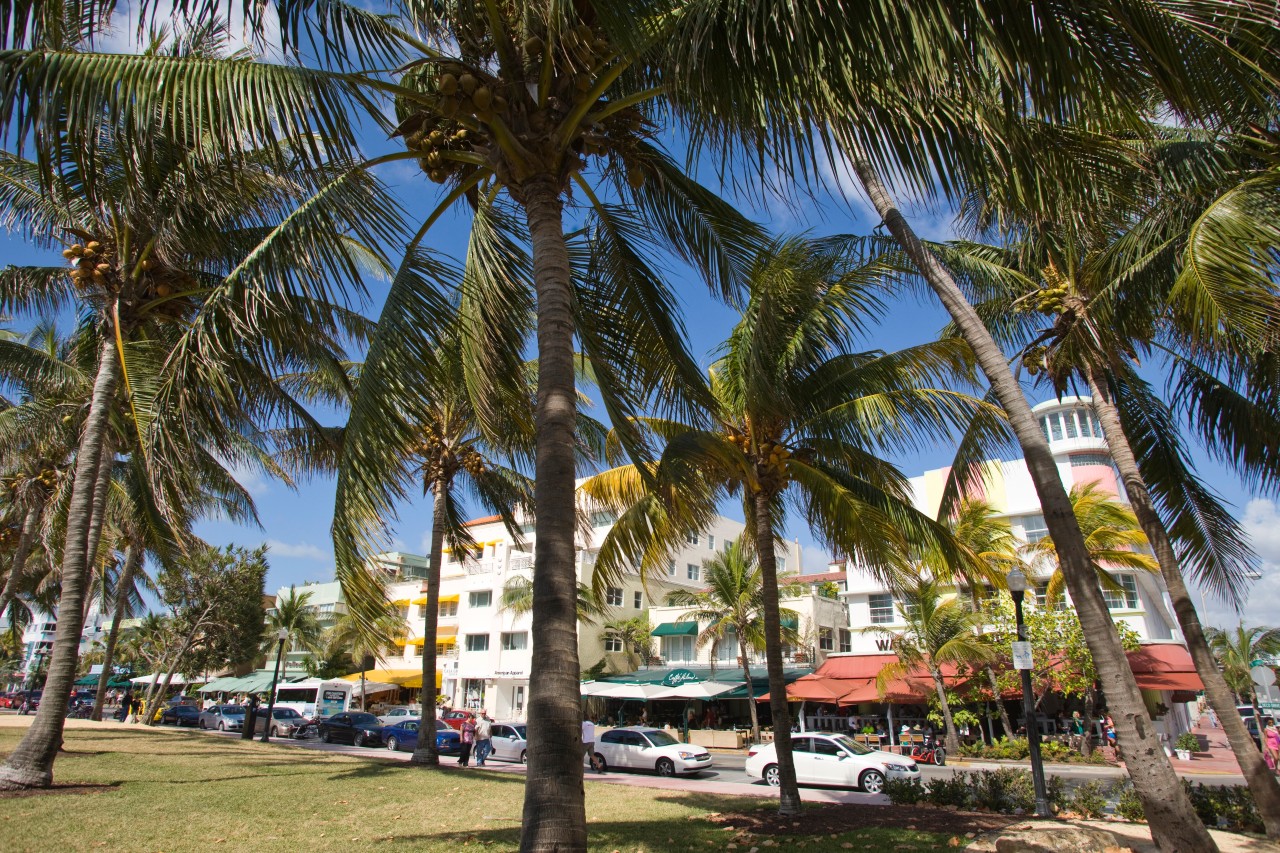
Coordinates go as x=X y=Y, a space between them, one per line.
x=635 y=636
x=214 y=597
x=294 y=614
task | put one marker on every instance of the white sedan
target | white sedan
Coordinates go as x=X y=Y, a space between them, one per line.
x=832 y=759
x=642 y=748
x=509 y=741
x=391 y=716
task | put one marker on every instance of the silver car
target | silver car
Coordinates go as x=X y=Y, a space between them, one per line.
x=509 y=741
x=224 y=718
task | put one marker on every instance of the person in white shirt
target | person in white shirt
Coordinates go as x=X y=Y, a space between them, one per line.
x=589 y=744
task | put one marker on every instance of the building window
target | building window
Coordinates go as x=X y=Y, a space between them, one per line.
x=443 y=649
x=602 y=519
x=517 y=698
x=638 y=598
x=692 y=538
x=711 y=542
x=1079 y=460
x=612 y=643
x=613 y=596
x=1033 y=528
x=477 y=642
x=448 y=609
x=727 y=648
x=1070 y=418
x=825 y=640
x=410 y=651
x=846 y=640
x=480 y=598
x=1122 y=600
x=516 y=641
x=678 y=649
x=671 y=568
x=881 y=608
x=694 y=571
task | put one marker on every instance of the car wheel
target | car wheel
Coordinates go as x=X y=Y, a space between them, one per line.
x=871 y=782
x=275 y=732
x=666 y=767
x=772 y=776
x=222 y=727
x=359 y=740
x=524 y=757
x=601 y=764
x=202 y=725
x=326 y=737
x=391 y=744
x=939 y=756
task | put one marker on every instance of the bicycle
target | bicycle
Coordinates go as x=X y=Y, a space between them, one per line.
x=929 y=752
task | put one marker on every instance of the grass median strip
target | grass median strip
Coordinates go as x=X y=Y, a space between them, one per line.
x=143 y=791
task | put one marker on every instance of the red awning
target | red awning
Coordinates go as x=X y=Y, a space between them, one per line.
x=1164 y=666
x=854 y=666
x=815 y=688
x=851 y=679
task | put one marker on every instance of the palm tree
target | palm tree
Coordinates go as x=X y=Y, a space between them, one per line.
x=636 y=638
x=517 y=598
x=1111 y=536
x=170 y=253
x=796 y=421
x=1236 y=651
x=731 y=610
x=938 y=632
x=294 y=614
x=987 y=550
x=350 y=635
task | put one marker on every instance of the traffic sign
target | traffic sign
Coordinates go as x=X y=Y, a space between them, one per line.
x=1263 y=676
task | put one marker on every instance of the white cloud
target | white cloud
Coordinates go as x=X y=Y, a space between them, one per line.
x=300 y=551
x=251 y=480
x=1261 y=522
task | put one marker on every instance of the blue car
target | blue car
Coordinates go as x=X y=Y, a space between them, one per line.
x=405 y=736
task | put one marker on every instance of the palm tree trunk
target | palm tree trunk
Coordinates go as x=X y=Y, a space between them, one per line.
x=751 y=698
x=426 y=752
x=953 y=738
x=30 y=765
x=991 y=673
x=158 y=691
x=30 y=525
x=554 y=816
x=132 y=562
x=789 y=791
x=1262 y=784
x=1174 y=824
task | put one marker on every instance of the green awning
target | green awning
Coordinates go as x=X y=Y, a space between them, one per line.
x=227 y=684
x=676 y=629
x=792 y=622
x=86 y=680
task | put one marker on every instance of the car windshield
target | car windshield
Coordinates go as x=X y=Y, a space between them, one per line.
x=231 y=709
x=523 y=731
x=364 y=720
x=658 y=738
x=284 y=713
x=442 y=727
x=852 y=745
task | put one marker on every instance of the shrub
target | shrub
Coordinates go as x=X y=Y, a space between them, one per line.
x=1128 y=805
x=1052 y=750
x=1008 y=790
x=950 y=792
x=1090 y=799
x=1227 y=807
x=1187 y=741
x=905 y=792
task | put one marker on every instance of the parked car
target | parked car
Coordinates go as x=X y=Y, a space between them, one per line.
x=356 y=728
x=285 y=722
x=404 y=736
x=224 y=718
x=180 y=715
x=510 y=741
x=832 y=759
x=643 y=748
x=391 y=716
x=455 y=719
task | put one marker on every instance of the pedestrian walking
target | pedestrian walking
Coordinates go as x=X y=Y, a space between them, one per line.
x=589 y=745
x=1271 y=743
x=484 y=734
x=468 y=733
x=1077 y=731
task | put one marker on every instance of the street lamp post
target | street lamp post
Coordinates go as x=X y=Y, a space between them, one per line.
x=1017 y=582
x=282 y=635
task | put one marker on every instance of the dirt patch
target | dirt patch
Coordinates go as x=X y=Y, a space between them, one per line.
x=829 y=818
x=54 y=789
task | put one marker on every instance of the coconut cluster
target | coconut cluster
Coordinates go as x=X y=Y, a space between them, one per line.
x=435 y=145
x=92 y=265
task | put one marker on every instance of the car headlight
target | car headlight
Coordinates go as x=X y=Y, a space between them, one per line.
x=899 y=768
x=686 y=755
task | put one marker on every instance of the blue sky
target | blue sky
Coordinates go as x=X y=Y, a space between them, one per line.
x=296 y=524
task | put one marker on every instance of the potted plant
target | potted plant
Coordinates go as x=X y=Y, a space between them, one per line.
x=1186 y=744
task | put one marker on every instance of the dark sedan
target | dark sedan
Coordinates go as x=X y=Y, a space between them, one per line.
x=405 y=736
x=358 y=729
x=181 y=715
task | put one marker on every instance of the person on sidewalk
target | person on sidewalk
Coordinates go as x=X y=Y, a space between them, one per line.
x=468 y=739
x=1271 y=743
x=484 y=735
x=1077 y=731
x=589 y=745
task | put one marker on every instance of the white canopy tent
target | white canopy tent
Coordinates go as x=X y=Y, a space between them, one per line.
x=632 y=691
x=371 y=687
x=178 y=679
x=697 y=690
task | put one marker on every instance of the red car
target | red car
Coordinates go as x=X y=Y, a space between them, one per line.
x=455 y=719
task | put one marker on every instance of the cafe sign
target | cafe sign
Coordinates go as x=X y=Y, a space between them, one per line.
x=677 y=677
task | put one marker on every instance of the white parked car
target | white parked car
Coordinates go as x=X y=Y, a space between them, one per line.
x=832 y=759
x=509 y=741
x=643 y=748
x=391 y=716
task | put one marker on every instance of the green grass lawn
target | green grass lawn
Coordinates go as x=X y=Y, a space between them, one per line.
x=185 y=791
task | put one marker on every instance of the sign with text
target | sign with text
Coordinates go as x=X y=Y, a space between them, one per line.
x=1022 y=655
x=676 y=677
